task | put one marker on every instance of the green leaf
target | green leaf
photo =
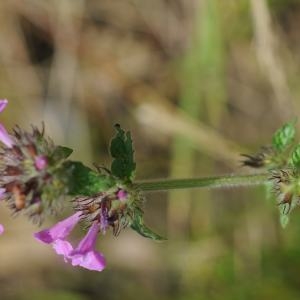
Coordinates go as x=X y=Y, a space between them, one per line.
x=139 y=226
x=284 y=220
x=295 y=157
x=123 y=165
x=82 y=180
x=61 y=153
x=284 y=136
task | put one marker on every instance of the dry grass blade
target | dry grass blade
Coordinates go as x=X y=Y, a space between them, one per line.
x=169 y=120
x=266 y=44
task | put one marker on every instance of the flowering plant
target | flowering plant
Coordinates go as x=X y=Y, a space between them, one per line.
x=37 y=178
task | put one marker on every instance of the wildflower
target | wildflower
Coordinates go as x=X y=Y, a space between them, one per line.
x=57 y=234
x=85 y=254
x=111 y=208
x=1 y=229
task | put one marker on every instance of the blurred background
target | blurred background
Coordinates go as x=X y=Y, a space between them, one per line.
x=197 y=82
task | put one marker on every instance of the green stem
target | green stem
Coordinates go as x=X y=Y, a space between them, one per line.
x=209 y=182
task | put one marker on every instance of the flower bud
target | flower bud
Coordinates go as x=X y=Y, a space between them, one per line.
x=114 y=207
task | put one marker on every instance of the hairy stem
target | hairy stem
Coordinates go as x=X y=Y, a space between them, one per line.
x=209 y=182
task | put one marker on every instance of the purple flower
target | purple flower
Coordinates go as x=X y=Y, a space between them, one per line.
x=85 y=254
x=1 y=229
x=57 y=234
x=59 y=231
x=4 y=136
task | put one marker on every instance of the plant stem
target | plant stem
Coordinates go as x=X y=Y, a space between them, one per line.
x=209 y=182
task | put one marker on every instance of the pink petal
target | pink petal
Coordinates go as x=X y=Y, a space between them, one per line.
x=5 y=138
x=91 y=260
x=3 y=104
x=59 y=231
x=62 y=247
x=84 y=255
x=89 y=241
x=1 y=229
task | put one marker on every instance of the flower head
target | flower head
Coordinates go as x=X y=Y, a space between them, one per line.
x=30 y=173
x=113 y=208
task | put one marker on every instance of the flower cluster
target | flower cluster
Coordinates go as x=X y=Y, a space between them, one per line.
x=100 y=211
x=84 y=254
x=113 y=208
x=36 y=175
x=29 y=172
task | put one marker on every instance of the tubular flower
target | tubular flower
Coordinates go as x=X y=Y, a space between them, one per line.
x=112 y=208
x=57 y=234
x=59 y=231
x=85 y=255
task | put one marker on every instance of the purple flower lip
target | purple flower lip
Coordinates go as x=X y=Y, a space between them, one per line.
x=92 y=260
x=4 y=136
x=63 y=248
x=1 y=229
x=3 y=104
